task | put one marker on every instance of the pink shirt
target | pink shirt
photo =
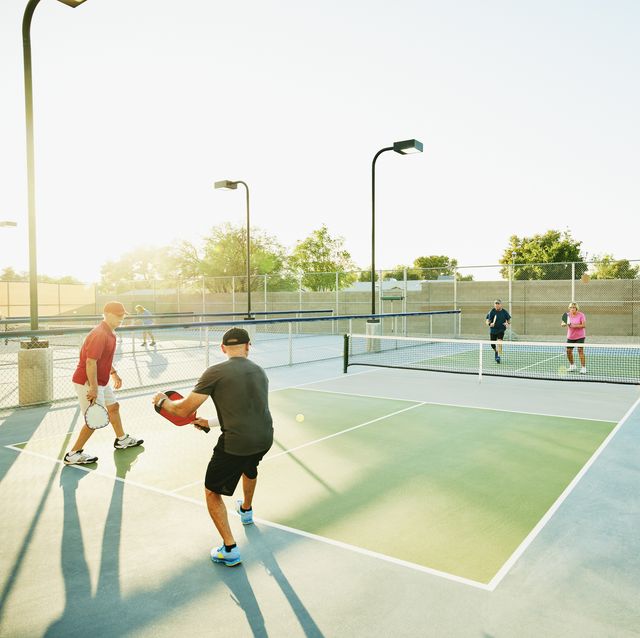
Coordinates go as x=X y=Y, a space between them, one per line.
x=576 y=333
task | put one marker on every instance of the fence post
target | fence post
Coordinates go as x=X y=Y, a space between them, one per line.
x=265 y=293
x=204 y=303
x=404 y=301
x=573 y=281
x=510 y=287
x=333 y=323
x=233 y=293
x=290 y=326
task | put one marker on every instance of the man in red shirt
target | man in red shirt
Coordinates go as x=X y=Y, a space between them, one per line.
x=91 y=381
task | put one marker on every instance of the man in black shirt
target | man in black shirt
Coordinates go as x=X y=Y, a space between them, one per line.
x=239 y=389
x=498 y=321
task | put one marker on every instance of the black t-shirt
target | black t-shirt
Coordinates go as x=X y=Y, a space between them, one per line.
x=239 y=389
x=501 y=316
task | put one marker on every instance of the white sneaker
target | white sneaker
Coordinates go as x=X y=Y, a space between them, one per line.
x=79 y=458
x=583 y=370
x=572 y=368
x=128 y=441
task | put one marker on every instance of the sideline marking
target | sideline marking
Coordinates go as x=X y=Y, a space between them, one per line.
x=508 y=564
x=291 y=530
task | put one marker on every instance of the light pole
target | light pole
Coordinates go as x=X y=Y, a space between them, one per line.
x=404 y=148
x=31 y=190
x=232 y=185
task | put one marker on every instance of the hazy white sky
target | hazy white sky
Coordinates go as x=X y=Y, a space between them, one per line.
x=528 y=111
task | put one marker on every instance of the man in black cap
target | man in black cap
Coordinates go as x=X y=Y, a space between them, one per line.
x=239 y=389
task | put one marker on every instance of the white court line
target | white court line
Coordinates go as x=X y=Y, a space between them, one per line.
x=291 y=530
x=537 y=363
x=491 y=586
x=502 y=572
x=324 y=438
x=458 y=405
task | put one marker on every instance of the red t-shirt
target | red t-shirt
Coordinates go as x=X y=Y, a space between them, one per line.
x=99 y=344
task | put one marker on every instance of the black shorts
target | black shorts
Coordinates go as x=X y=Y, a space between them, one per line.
x=224 y=470
x=581 y=340
x=496 y=336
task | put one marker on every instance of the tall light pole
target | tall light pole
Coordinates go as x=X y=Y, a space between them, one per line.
x=31 y=189
x=404 y=148
x=232 y=185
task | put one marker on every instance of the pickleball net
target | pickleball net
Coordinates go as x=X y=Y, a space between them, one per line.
x=605 y=363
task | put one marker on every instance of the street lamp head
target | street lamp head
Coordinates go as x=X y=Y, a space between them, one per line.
x=8 y=223
x=72 y=3
x=407 y=146
x=226 y=183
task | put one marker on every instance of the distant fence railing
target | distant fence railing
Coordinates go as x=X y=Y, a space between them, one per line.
x=535 y=294
x=30 y=375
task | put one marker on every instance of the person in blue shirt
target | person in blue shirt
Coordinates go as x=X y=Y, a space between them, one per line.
x=146 y=321
x=498 y=321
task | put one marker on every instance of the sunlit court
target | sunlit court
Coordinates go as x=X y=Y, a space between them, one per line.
x=319 y=320
x=402 y=478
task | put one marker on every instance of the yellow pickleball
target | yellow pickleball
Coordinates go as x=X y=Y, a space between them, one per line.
x=299 y=418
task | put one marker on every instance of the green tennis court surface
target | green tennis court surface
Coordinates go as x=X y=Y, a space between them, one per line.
x=448 y=488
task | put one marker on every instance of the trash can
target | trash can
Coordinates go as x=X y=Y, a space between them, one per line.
x=35 y=373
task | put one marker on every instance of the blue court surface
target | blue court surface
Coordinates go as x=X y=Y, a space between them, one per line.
x=405 y=503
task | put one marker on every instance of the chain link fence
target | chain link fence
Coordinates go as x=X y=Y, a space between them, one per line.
x=37 y=366
x=536 y=295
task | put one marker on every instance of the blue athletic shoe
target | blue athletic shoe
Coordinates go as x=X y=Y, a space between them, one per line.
x=228 y=558
x=497 y=358
x=245 y=517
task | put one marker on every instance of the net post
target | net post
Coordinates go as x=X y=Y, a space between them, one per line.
x=290 y=328
x=345 y=354
x=480 y=363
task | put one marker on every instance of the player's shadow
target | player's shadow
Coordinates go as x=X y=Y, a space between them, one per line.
x=261 y=548
x=235 y=578
x=80 y=603
x=157 y=363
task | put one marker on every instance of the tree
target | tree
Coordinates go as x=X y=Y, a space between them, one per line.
x=397 y=273
x=9 y=274
x=319 y=257
x=529 y=256
x=606 y=267
x=223 y=256
x=434 y=266
x=142 y=266
x=429 y=268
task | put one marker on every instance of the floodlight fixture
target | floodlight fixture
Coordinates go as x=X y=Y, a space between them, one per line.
x=232 y=185
x=406 y=147
x=226 y=183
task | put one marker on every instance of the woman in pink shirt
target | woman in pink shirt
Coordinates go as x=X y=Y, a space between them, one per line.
x=576 y=323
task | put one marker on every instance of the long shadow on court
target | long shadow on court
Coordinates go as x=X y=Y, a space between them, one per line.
x=157 y=364
x=79 y=599
x=18 y=426
x=266 y=557
x=13 y=430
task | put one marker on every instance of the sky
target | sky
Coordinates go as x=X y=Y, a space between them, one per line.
x=528 y=112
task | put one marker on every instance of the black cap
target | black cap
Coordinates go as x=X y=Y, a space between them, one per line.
x=235 y=336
